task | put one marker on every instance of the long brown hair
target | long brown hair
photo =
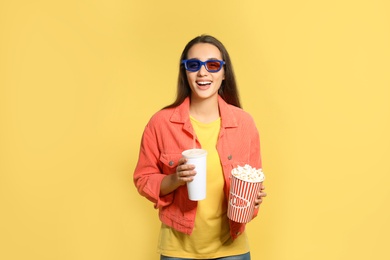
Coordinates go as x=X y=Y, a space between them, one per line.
x=228 y=90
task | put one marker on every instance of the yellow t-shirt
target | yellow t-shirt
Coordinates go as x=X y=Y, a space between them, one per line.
x=211 y=236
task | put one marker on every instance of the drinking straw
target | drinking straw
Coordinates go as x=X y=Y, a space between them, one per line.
x=194 y=142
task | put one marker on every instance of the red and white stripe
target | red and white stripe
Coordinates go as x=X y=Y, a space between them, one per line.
x=242 y=199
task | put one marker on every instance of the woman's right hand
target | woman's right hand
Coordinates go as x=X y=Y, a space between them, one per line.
x=184 y=173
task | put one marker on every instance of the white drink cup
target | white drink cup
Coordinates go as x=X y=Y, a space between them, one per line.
x=197 y=187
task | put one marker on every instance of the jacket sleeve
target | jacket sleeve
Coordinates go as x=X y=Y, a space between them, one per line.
x=148 y=174
x=255 y=155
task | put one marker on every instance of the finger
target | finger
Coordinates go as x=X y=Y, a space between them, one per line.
x=190 y=173
x=260 y=195
x=257 y=203
x=182 y=161
x=185 y=178
x=188 y=167
x=185 y=167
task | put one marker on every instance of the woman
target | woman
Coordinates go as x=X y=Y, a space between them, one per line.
x=207 y=110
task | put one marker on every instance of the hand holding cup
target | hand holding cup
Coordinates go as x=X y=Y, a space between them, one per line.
x=185 y=172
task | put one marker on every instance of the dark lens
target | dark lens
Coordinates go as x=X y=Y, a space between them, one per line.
x=213 y=65
x=193 y=65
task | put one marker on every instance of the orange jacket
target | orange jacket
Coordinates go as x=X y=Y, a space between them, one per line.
x=168 y=133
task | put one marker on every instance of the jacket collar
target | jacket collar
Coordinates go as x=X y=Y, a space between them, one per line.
x=181 y=113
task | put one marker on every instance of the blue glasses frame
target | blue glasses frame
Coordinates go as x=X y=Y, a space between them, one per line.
x=194 y=65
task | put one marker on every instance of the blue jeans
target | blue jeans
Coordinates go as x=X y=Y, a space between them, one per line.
x=246 y=256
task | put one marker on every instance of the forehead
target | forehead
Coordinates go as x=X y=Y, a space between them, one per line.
x=204 y=51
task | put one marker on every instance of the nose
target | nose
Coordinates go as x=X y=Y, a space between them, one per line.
x=202 y=70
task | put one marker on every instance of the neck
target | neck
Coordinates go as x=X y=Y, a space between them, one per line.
x=205 y=110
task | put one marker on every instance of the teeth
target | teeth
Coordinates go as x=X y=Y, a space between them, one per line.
x=204 y=82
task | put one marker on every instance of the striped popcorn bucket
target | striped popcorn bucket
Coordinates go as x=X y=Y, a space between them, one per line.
x=242 y=199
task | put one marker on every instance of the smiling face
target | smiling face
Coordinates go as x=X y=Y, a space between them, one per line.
x=204 y=84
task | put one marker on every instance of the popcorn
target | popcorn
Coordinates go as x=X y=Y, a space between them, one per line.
x=245 y=186
x=247 y=173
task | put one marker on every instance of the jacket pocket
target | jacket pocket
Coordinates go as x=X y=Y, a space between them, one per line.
x=169 y=162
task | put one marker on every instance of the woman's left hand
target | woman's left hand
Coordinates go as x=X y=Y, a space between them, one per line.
x=260 y=196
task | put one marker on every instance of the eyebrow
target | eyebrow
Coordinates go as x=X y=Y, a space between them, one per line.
x=207 y=59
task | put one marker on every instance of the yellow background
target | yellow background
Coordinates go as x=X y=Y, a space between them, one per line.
x=80 y=79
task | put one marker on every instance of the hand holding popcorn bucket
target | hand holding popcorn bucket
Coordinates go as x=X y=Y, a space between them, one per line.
x=244 y=189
